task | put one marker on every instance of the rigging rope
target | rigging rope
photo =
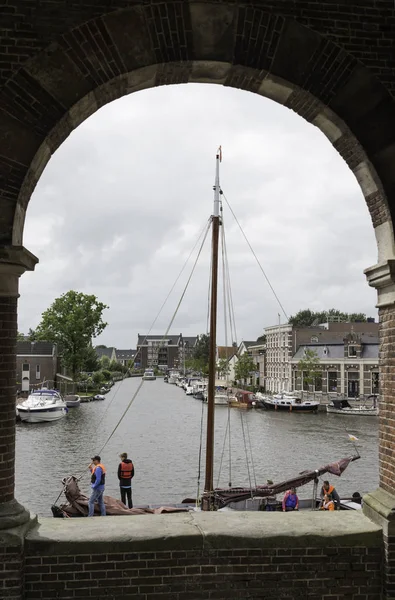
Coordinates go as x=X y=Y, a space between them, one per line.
x=246 y=453
x=200 y=454
x=256 y=258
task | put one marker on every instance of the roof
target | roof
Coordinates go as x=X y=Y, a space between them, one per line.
x=42 y=348
x=336 y=351
x=125 y=354
x=172 y=340
x=104 y=351
x=226 y=352
x=190 y=340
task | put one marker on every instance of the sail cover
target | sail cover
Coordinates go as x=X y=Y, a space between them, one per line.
x=77 y=504
x=223 y=496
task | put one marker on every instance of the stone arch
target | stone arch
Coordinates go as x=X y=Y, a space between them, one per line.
x=143 y=46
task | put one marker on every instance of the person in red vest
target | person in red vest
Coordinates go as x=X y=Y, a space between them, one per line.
x=125 y=476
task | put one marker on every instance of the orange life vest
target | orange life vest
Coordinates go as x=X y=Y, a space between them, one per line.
x=126 y=470
x=103 y=477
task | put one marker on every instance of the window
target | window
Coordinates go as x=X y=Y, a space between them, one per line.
x=25 y=367
x=352 y=351
x=332 y=381
x=375 y=383
x=318 y=383
x=305 y=381
x=37 y=371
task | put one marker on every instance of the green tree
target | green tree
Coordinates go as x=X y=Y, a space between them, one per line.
x=244 y=367
x=309 y=367
x=20 y=337
x=223 y=367
x=201 y=354
x=97 y=377
x=306 y=317
x=72 y=321
x=105 y=362
x=91 y=361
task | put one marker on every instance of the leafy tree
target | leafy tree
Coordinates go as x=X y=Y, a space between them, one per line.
x=223 y=367
x=91 y=361
x=106 y=374
x=20 y=337
x=105 y=362
x=309 y=367
x=97 y=377
x=116 y=366
x=201 y=354
x=72 y=321
x=31 y=335
x=244 y=367
x=306 y=317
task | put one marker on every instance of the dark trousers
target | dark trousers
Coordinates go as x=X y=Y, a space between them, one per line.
x=126 y=493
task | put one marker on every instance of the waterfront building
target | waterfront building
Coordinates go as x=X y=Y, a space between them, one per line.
x=283 y=341
x=164 y=351
x=102 y=351
x=228 y=354
x=125 y=357
x=36 y=363
x=348 y=366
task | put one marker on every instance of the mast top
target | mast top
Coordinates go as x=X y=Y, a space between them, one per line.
x=216 y=185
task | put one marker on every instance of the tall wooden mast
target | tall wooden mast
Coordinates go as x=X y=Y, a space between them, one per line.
x=215 y=219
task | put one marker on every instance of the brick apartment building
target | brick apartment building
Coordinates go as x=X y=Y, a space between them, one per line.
x=164 y=352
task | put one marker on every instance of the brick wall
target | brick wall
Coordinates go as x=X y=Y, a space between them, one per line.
x=11 y=572
x=8 y=330
x=238 y=573
x=387 y=399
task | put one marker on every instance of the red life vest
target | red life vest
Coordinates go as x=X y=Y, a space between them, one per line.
x=126 y=470
x=103 y=477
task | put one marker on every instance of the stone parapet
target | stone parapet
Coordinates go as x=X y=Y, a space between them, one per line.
x=222 y=555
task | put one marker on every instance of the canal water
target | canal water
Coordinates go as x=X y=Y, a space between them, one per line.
x=161 y=432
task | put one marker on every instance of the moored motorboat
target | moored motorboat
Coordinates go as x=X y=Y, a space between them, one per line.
x=149 y=375
x=242 y=399
x=41 y=406
x=290 y=403
x=72 y=400
x=99 y=397
x=343 y=407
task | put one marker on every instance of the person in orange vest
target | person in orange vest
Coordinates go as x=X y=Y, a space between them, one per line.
x=125 y=476
x=330 y=489
x=328 y=503
x=98 y=480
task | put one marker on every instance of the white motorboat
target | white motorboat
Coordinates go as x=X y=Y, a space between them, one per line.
x=41 y=406
x=173 y=377
x=221 y=398
x=149 y=375
x=72 y=400
x=343 y=407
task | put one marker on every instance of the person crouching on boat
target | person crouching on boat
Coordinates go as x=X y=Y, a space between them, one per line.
x=330 y=489
x=328 y=503
x=98 y=479
x=290 y=500
x=125 y=475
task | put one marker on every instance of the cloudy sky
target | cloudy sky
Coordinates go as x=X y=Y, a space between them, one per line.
x=121 y=204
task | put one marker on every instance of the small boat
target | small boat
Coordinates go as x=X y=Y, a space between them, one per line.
x=86 y=398
x=173 y=377
x=72 y=400
x=243 y=399
x=149 y=375
x=343 y=407
x=41 y=406
x=290 y=403
x=77 y=504
x=99 y=397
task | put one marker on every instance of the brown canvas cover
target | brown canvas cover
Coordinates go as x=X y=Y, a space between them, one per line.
x=77 y=504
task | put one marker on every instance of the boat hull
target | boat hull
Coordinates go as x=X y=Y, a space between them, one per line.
x=361 y=412
x=149 y=377
x=305 y=408
x=41 y=415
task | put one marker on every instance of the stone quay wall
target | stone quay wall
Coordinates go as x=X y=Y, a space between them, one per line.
x=199 y=556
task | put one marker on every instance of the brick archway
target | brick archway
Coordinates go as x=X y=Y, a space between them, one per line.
x=62 y=61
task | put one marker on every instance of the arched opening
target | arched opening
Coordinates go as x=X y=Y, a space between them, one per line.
x=81 y=59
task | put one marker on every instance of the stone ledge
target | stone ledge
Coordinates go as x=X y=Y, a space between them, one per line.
x=202 y=531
